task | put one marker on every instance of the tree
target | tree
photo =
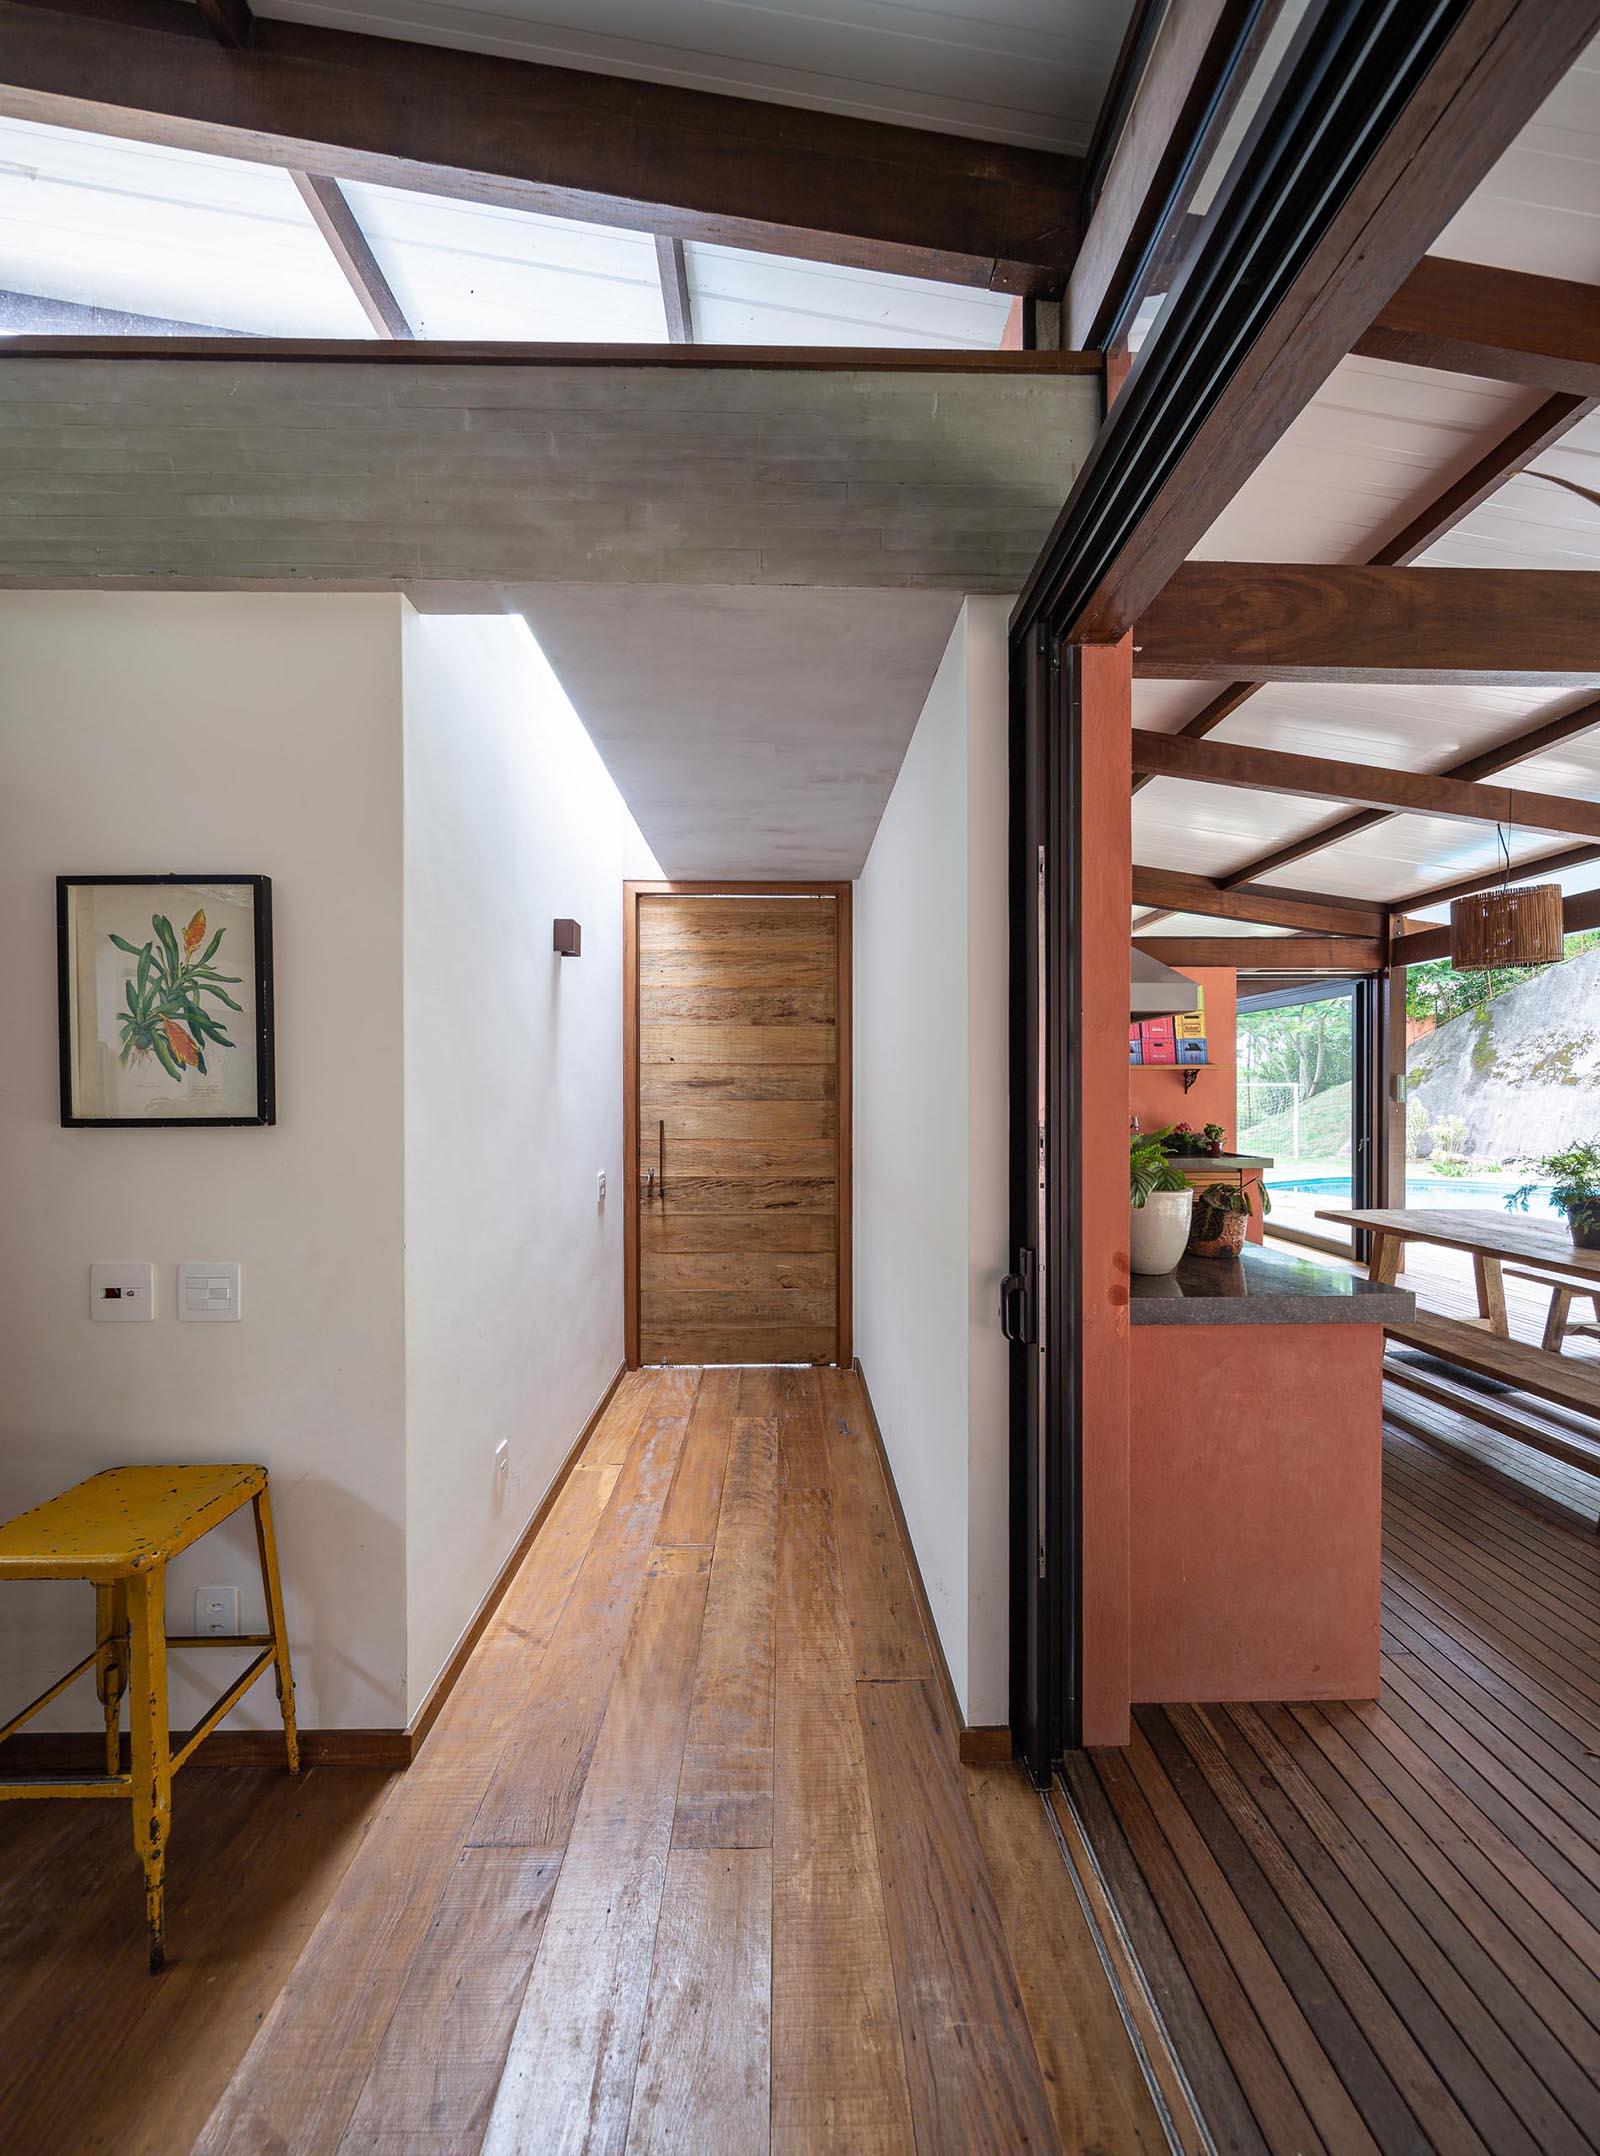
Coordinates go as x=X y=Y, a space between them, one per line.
x=1438 y=992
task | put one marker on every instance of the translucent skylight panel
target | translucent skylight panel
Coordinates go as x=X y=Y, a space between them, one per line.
x=471 y=270
x=736 y=297
x=154 y=231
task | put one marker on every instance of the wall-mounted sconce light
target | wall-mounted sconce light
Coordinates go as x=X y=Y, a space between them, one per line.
x=569 y=939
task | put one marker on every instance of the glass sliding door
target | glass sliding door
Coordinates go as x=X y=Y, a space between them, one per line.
x=1301 y=1102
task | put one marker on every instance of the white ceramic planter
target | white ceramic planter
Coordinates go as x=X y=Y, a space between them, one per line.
x=1160 y=1229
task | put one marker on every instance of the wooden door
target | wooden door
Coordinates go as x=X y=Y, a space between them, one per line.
x=738 y=1084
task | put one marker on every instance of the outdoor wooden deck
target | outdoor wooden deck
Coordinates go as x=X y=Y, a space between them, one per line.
x=1377 y=1925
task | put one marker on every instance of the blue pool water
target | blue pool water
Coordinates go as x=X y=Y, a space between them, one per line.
x=1435 y=1190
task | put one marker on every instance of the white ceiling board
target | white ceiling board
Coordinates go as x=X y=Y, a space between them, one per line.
x=1024 y=71
x=1162 y=707
x=1203 y=924
x=470 y=269
x=1208 y=830
x=1407 y=853
x=739 y=297
x=751 y=733
x=1531 y=523
x=101 y=222
x=1402 y=726
x=1375 y=445
x=1539 y=208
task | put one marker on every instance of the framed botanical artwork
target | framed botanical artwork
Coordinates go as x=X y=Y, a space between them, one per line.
x=166 y=999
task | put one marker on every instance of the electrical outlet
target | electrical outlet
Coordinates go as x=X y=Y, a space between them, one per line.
x=122 y=1292
x=600 y=1188
x=216 y=1612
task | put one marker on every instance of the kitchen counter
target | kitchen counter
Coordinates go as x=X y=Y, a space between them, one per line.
x=1263 y=1287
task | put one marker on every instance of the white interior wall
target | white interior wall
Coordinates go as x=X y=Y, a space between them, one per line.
x=513 y=1102
x=143 y=733
x=930 y=951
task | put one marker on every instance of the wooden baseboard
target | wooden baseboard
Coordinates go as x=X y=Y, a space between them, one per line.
x=83 y=1751
x=978 y=1744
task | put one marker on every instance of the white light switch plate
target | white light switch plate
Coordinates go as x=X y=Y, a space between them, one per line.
x=123 y=1292
x=208 y=1292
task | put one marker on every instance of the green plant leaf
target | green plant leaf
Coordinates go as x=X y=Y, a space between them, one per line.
x=210 y=988
x=144 y=967
x=169 y=943
x=210 y=948
x=165 y=1057
x=133 y=1007
x=123 y=944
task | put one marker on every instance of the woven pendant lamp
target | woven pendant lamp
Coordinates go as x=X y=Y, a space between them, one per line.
x=1520 y=927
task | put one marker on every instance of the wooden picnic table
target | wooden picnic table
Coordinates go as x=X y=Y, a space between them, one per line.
x=1489 y=1239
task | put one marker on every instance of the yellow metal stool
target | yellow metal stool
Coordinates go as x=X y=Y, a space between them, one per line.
x=121 y=1530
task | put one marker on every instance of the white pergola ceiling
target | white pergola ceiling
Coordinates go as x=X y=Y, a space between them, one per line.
x=1377 y=444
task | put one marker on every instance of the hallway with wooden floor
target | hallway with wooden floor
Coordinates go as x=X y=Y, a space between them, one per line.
x=687 y=1861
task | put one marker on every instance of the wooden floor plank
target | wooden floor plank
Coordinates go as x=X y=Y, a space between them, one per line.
x=1091 y=2073
x=885 y=1622
x=704 y=2064
x=439 y=2065
x=971 y=2065
x=838 y=2068
x=695 y=1502
x=725 y=1787
x=569 y=2074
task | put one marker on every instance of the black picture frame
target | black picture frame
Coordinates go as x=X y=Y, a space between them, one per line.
x=260 y=888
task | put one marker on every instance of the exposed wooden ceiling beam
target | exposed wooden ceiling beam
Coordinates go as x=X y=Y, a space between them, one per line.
x=1506 y=325
x=1537 y=870
x=1578 y=913
x=1281 y=954
x=673 y=270
x=1304 y=246
x=347 y=243
x=1511 y=454
x=1423 y=793
x=645 y=156
x=1307 y=621
x=1174 y=892
x=229 y=21
x=1177 y=87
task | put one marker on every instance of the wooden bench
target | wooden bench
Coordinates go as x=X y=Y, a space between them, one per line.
x=1573 y=1385
x=1560 y=1322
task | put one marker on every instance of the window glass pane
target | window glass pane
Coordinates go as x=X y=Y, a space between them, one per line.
x=204 y=241
x=1296 y=1104
x=741 y=298
x=470 y=269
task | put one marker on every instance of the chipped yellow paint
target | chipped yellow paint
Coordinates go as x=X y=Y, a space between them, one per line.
x=123 y=1522
x=119 y=1530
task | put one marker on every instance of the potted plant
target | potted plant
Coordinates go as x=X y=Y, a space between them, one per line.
x=1221 y=1215
x=1576 y=1176
x=1213 y=1138
x=1162 y=1204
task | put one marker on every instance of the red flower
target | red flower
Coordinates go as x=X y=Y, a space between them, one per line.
x=193 y=933
x=181 y=1042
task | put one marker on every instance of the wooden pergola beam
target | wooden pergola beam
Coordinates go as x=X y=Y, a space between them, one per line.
x=1504 y=325
x=348 y=245
x=1309 y=621
x=1278 y=954
x=1530 y=438
x=1423 y=793
x=229 y=21
x=1516 y=749
x=673 y=269
x=1174 y=892
x=650 y=157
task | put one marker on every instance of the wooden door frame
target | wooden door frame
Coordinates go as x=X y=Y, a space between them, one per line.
x=738 y=887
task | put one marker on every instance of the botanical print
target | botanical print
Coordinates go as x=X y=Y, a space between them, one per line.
x=160 y=1002
x=166 y=1016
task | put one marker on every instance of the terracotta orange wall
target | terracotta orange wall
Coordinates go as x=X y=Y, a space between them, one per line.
x=1156 y=1095
x=1256 y=1492
x=1105 y=755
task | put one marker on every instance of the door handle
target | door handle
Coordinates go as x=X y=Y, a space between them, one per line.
x=1017 y=1301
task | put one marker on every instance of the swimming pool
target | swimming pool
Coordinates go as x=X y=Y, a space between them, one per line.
x=1430 y=1190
